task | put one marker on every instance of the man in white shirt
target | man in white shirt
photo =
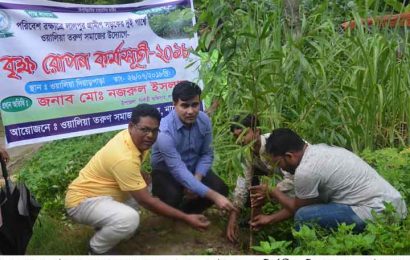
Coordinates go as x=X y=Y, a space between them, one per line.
x=332 y=185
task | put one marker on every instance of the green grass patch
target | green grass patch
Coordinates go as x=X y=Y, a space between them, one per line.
x=49 y=172
x=52 y=236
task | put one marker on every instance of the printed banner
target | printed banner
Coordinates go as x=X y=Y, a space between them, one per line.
x=69 y=70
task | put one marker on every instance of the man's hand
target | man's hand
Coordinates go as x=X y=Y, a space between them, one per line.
x=260 y=221
x=256 y=212
x=258 y=195
x=154 y=204
x=224 y=204
x=220 y=201
x=199 y=222
x=4 y=155
x=232 y=229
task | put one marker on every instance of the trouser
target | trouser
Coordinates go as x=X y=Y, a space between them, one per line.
x=328 y=216
x=113 y=221
x=171 y=192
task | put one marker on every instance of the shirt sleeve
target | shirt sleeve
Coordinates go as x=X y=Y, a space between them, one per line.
x=207 y=154
x=240 y=192
x=167 y=148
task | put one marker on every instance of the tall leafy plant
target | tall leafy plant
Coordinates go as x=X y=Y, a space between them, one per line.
x=331 y=86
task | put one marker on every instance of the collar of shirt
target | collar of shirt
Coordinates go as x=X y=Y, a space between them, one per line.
x=177 y=120
x=200 y=122
x=131 y=146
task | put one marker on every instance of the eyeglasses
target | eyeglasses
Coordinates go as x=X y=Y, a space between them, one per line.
x=147 y=130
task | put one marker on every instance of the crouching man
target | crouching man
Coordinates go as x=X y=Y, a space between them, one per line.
x=103 y=193
x=332 y=185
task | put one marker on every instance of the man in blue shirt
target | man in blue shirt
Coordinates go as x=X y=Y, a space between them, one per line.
x=182 y=156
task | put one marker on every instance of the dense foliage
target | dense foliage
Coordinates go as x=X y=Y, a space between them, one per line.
x=343 y=83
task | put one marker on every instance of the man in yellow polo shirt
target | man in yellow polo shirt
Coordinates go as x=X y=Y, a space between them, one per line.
x=101 y=196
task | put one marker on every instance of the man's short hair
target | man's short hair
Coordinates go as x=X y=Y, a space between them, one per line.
x=239 y=122
x=185 y=90
x=143 y=110
x=283 y=140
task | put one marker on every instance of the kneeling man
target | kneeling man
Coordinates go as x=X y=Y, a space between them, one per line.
x=113 y=176
x=332 y=185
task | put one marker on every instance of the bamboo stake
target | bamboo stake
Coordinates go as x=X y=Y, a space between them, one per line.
x=253 y=127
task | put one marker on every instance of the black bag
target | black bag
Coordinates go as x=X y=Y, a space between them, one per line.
x=19 y=211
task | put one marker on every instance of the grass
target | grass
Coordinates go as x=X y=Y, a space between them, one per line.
x=52 y=236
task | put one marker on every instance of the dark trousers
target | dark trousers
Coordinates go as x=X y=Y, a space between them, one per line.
x=170 y=191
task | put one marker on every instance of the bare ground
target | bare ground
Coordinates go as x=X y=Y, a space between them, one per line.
x=162 y=236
